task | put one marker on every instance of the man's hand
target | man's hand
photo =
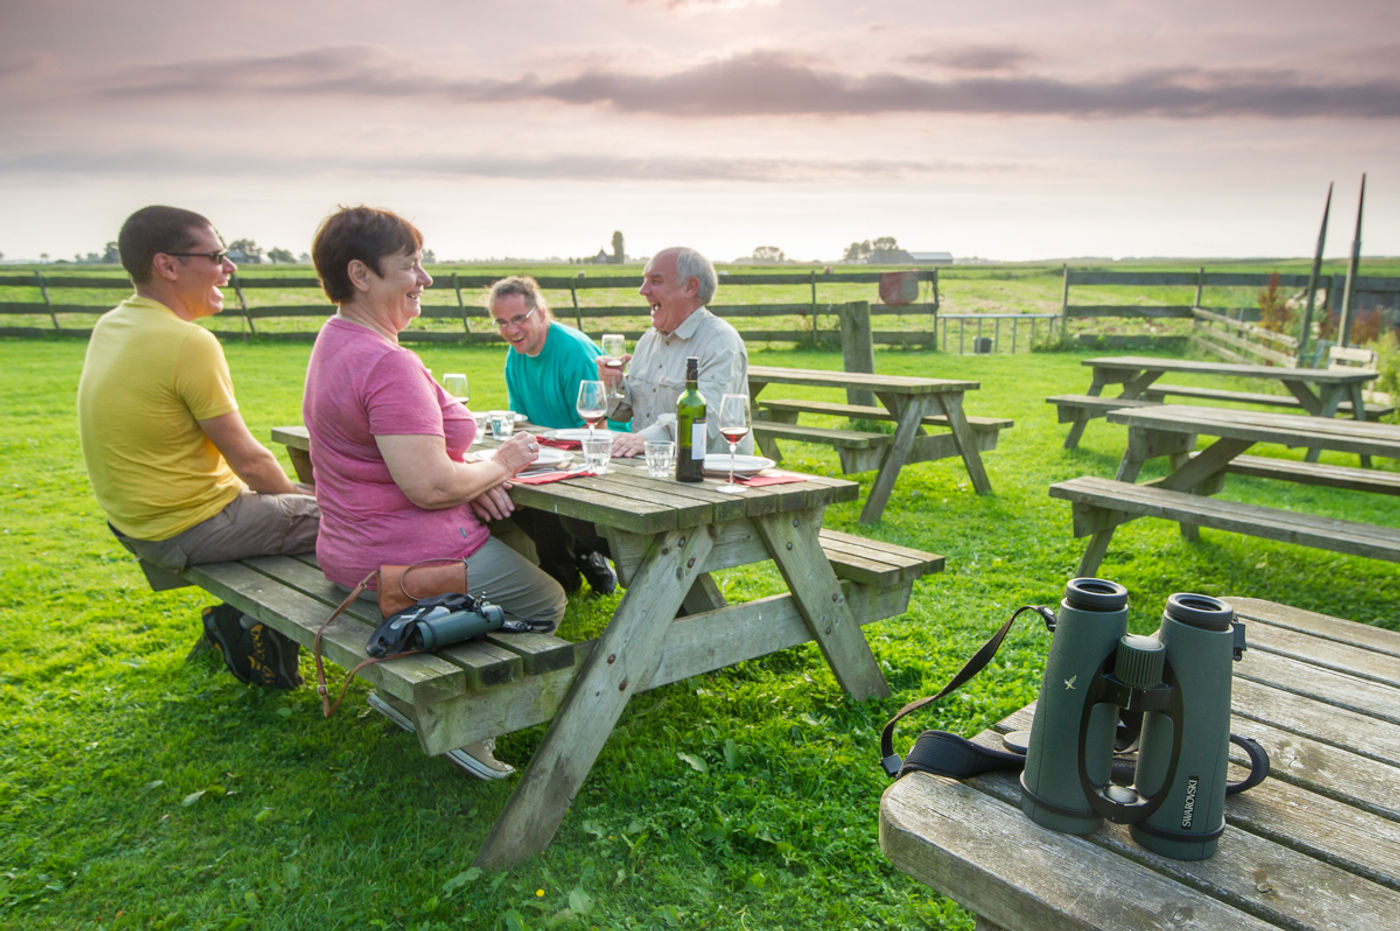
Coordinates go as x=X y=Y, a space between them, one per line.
x=628 y=444
x=610 y=375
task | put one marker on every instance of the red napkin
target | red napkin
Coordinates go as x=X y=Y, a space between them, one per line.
x=544 y=478
x=558 y=444
x=770 y=477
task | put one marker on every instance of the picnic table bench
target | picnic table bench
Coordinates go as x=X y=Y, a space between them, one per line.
x=666 y=539
x=915 y=405
x=1100 y=505
x=1320 y=392
x=1315 y=846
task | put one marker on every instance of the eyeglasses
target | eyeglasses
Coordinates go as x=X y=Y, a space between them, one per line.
x=517 y=320
x=216 y=257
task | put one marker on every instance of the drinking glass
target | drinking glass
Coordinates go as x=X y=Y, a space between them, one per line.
x=502 y=424
x=661 y=458
x=733 y=426
x=592 y=404
x=614 y=346
x=597 y=451
x=455 y=384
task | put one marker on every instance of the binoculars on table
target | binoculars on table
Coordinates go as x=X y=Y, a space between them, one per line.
x=1100 y=684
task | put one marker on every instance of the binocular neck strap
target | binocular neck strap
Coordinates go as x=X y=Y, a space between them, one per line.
x=889 y=759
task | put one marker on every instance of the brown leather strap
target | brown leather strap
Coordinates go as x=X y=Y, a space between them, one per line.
x=327 y=708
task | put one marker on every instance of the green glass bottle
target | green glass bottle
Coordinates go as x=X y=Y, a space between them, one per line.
x=690 y=427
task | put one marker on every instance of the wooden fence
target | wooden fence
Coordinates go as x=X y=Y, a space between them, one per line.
x=452 y=310
x=1218 y=286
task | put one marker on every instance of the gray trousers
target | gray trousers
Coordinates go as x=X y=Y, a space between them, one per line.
x=252 y=525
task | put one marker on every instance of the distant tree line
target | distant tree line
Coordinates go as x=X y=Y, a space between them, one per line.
x=882 y=250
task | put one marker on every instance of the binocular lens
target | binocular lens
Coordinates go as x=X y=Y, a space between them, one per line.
x=1095 y=595
x=1200 y=611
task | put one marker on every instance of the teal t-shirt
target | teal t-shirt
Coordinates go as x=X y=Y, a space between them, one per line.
x=545 y=387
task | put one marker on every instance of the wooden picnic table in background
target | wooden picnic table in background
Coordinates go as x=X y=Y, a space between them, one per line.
x=1321 y=392
x=1183 y=495
x=1316 y=845
x=914 y=404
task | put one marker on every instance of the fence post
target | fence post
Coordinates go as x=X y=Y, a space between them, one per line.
x=44 y=290
x=1064 y=307
x=461 y=304
x=573 y=294
x=243 y=306
x=1200 y=284
x=813 y=280
x=857 y=347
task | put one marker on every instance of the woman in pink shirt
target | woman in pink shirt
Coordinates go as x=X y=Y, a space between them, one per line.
x=387 y=443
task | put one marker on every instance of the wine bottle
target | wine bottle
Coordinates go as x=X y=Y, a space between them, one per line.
x=691 y=439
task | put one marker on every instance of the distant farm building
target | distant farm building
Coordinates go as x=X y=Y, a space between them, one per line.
x=931 y=258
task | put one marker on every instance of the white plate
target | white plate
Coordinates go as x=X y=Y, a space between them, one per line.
x=717 y=464
x=550 y=459
x=568 y=435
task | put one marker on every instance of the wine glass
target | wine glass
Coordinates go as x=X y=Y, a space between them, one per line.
x=614 y=346
x=734 y=426
x=455 y=384
x=592 y=404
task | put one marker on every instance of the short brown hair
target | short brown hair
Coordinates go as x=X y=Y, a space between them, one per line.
x=155 y=229
x=365 y=233
x=526 y=287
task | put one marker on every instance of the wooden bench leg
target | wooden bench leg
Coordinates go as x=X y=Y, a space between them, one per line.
x=792 y=539
x=1094 y=554
x=622 y=659
x=1076 y=429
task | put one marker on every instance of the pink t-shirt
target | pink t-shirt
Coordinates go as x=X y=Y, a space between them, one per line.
x=360 y=385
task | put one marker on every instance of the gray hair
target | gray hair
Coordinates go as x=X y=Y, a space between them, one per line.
x=691 y=264
x=526 y=287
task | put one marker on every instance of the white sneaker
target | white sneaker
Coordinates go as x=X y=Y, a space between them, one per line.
x=479 y=758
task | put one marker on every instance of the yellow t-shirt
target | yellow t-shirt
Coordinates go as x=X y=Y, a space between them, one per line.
x=148 y=379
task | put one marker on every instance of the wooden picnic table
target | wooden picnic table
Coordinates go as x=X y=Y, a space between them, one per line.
x=1320 y=392
x=666 y=537
x=913 y=403
x=1316 y=845
x=1171 y=430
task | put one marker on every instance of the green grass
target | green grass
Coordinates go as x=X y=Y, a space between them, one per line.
x=139 y=789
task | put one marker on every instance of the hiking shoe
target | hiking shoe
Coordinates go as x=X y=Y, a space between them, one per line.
x=256 y=654
x=601 y=577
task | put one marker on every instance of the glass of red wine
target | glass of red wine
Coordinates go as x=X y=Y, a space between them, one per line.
x=734 y=426
x=592 y=404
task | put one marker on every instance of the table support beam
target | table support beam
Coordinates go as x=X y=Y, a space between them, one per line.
x=792 y=539
x=623 y=659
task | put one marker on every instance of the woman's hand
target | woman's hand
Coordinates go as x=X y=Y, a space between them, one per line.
x=517 y=452
x=493 y=504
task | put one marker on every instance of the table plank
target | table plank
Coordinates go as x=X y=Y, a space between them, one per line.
x=1317 y=845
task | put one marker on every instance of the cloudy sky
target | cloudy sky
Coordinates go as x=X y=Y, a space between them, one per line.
x=1007 y=130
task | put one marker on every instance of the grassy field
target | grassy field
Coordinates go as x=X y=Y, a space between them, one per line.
x=139 y=789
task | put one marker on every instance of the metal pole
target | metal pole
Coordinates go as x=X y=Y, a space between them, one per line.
x=1312 y=280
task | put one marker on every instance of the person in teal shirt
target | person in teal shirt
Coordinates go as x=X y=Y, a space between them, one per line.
x=546 y=362
x=544 y=366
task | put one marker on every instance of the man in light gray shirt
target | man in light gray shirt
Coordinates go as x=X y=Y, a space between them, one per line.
x=677 y=284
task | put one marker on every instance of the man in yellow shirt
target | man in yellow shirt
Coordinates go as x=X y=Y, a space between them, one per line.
x=171 y=461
